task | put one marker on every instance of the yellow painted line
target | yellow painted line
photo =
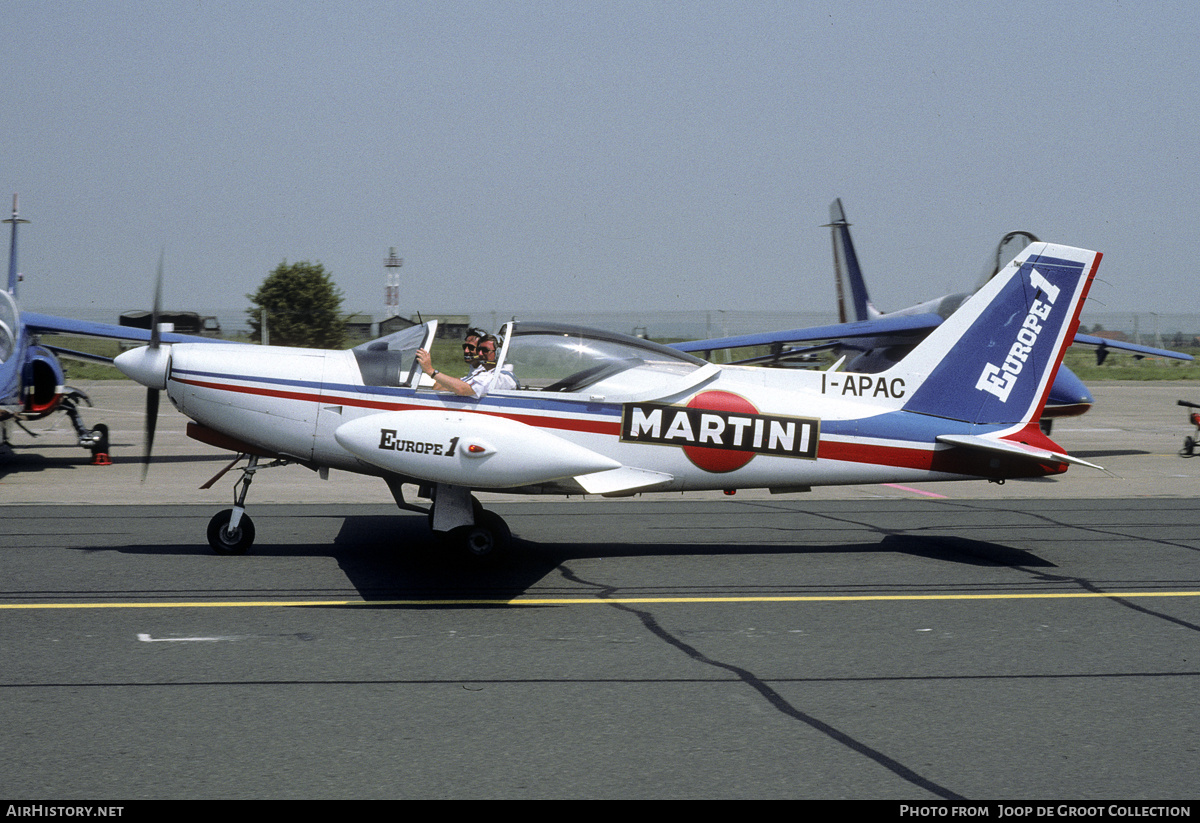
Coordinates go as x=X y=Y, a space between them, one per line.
x=593 y=601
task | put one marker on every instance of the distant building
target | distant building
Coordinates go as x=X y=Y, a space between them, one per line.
x=185 y=322
x=451 y=326
x=360 y=328
x=394 y=324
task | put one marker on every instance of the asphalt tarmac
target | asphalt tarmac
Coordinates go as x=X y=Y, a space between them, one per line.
x=961 y=641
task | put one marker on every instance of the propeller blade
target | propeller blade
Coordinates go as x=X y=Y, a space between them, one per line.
x=151 y=424
x=152 y=394
x=155 y=334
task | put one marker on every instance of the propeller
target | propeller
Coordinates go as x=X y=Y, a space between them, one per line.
x=149 y=365
x=151 y=392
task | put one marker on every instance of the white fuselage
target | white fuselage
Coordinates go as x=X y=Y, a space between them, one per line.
x=743 y=428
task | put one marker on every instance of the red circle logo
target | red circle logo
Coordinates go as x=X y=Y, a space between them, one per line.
x=713 y=459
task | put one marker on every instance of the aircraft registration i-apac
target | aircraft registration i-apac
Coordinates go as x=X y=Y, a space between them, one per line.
x=601 y=413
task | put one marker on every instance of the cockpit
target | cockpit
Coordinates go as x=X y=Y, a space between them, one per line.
x=546 y=357
x=552 y=357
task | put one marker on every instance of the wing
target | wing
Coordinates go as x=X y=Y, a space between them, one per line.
x=914 y=325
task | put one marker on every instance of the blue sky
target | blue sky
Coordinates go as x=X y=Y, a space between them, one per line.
x=577 y=156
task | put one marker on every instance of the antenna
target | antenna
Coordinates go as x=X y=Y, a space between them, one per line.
x=13 y=277
x=391 y=284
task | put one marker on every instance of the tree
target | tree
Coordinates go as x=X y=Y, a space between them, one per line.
x=303 y=307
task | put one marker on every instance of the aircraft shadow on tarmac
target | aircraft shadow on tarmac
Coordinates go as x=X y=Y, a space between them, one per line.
x=395 y=557
x=67 y=457
x=387 y=557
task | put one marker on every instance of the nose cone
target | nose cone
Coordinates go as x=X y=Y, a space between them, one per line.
x=1068 y=396
x=148 y=366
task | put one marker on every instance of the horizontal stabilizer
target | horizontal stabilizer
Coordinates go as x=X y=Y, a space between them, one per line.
x=1012 y=449
x=621 y=480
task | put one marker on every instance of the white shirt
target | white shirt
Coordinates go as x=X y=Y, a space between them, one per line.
x=482 y=380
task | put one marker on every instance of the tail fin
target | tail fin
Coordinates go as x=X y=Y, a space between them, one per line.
x=846 y=272
x=994 y=360
x=13 y=276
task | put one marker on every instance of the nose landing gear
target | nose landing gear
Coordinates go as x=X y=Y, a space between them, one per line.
x=232 y=531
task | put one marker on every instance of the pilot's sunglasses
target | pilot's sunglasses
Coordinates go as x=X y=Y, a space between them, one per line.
x=468 y=347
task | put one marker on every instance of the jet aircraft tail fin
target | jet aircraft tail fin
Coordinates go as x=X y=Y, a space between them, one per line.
x=994 y=360
x=846 y=272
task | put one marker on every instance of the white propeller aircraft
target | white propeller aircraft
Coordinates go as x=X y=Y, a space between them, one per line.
x=602 y=413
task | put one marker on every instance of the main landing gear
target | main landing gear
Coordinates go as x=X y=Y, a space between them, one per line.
x=95 y=439
x=488 y=537
x=457 y=517
x=465 y=526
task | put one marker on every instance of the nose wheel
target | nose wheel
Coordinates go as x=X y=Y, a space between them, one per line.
x=232 y=531
x=228 y=538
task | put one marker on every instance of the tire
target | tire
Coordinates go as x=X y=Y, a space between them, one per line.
x=222 y=541
x=488 y=539
x=101 y=445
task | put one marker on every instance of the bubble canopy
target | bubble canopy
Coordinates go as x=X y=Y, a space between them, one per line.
x=556 y=357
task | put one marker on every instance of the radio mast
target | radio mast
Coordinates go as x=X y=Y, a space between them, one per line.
x=391 y=284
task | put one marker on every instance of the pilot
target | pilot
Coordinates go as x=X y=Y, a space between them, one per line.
x=470 y=344
x=482 y=379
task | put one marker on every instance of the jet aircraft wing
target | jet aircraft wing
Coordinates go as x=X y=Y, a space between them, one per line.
x=1105 y=343
x=52 y=324
x=912 y=324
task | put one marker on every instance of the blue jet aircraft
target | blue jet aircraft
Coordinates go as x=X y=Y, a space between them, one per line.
x=874 y=341
x=32 y=383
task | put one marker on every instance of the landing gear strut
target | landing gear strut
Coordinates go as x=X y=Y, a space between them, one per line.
x=95 y=440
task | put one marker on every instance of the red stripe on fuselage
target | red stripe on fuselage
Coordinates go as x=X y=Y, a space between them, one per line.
x=948 y=461
x=567 y=424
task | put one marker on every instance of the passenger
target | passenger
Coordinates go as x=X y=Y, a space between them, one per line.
x=482 y=379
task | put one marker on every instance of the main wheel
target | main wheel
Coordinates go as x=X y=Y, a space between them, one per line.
x=488 y=538
x=100 y=445
x=1189 y=447
x=225 y=541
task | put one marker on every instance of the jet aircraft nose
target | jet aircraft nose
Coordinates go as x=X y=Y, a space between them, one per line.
x=148 y=366
x=1068 y=396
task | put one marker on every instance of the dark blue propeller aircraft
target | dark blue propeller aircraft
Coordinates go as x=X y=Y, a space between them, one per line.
x=32 y=383
x=873 y=341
